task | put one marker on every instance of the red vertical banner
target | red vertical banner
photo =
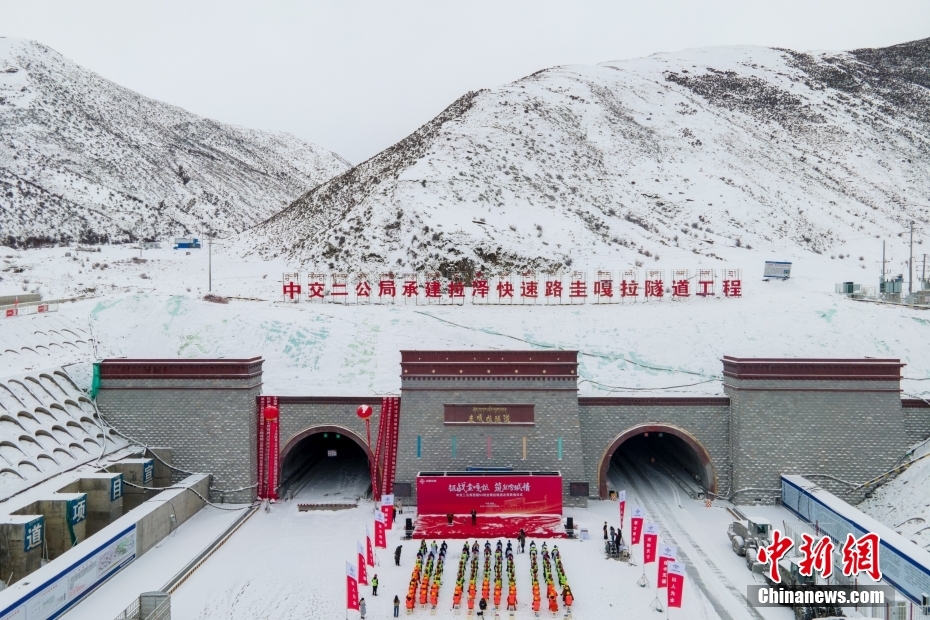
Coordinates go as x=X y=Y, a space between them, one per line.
x=387 y=508
x=351 y=587
x=369 y=552
x=622 y=496
x=273 y=440
x=666 y=557
x=650 y=542
x=362 y=573
x=380 y=534
x=676 y=583
x=390 y=412
x=636 y=524
x=260 y=446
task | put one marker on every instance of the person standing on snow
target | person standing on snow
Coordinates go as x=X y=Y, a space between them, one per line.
x=361 y=607
x=374 y=586
x=522 y=540
x=396 y=606
x=397 y=554
x=605 y=530
x=482 y=605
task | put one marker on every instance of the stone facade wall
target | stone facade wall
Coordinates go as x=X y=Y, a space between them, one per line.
x=556 y=415
x=916 y=420
x=848 y=429
x=210 y=424
x=604 y=419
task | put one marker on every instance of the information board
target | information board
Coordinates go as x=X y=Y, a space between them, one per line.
x=57 y=595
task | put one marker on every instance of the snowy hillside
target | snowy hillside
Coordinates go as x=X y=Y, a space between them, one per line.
x=82 y=158
x=667 y=157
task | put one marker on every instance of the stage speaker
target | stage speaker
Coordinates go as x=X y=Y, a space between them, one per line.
x=408 y=528
x=569 y=524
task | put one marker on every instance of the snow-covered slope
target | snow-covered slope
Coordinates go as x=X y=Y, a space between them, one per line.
x=82 y=158
x=670 y=156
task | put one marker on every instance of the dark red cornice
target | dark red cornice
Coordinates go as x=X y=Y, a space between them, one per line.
x=787 y=369
x=329 y=400
x=658 y=401
x=194 y=369
x=489 y=364
x=914 y=403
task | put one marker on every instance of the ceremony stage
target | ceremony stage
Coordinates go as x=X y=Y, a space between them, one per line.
x=503 y=501
x=489 y=526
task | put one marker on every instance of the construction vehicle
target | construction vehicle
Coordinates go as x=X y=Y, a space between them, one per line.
x=791 y=579
x=747 y=534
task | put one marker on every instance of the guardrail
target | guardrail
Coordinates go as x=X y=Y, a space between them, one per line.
x=37 y=307
x=175 y=582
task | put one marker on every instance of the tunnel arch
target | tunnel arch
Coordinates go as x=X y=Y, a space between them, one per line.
x=295 y=440
x=710 y=473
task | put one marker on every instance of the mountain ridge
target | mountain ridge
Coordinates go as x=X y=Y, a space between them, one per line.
x=624 y=161
x=84 y=159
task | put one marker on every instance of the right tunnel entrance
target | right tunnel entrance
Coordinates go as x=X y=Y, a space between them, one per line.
x=671 y=452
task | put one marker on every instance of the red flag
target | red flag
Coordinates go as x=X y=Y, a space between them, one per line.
x=273 y=454
x=636 y=524
x=351 y=587
x=380 y=535
x=666 y=556
x=387 y=507
x=369 y=553
x=622 y=496
x=650 y=542
x=676 y=583
x=362 y=573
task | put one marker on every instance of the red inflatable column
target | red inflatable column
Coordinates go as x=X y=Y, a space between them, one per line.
x=272 y=440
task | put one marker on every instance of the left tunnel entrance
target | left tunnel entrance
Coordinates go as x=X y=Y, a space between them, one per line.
x=325 y=464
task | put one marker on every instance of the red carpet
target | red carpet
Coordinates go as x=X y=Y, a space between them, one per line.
x=490 y=526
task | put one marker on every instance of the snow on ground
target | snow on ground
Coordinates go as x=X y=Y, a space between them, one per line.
x=327 y=349
x=904 y=503
x=158 y=566
x=286 y=565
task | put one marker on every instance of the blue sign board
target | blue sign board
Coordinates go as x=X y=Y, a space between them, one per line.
x=35 y=534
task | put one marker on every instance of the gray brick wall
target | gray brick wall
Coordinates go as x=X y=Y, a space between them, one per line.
x=708 y=424
x=916 y=421
x=852 y=430
x=209 y=424
x=556 y=415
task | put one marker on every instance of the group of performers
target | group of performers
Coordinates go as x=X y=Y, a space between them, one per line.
x=427 y=575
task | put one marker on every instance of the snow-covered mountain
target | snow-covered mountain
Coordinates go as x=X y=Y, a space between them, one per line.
x=666 y=157
x=82 y=158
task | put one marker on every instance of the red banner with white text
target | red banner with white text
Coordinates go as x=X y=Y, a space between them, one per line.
x=489 y=494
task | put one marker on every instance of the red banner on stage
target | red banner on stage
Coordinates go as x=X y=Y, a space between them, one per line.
x=380 y=534
x=666 y=556
x=351 y=587
x=489 y=494
x=636 y=525
x=362 y=573
x=650 y=542
x=263 y=401
x=676 y=583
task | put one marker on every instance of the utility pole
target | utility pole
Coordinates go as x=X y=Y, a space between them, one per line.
x=882 y=279
x=910 y=264
x=210 y=264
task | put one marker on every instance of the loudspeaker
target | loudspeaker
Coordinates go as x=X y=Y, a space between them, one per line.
x=408 y=523
x=569 y=524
